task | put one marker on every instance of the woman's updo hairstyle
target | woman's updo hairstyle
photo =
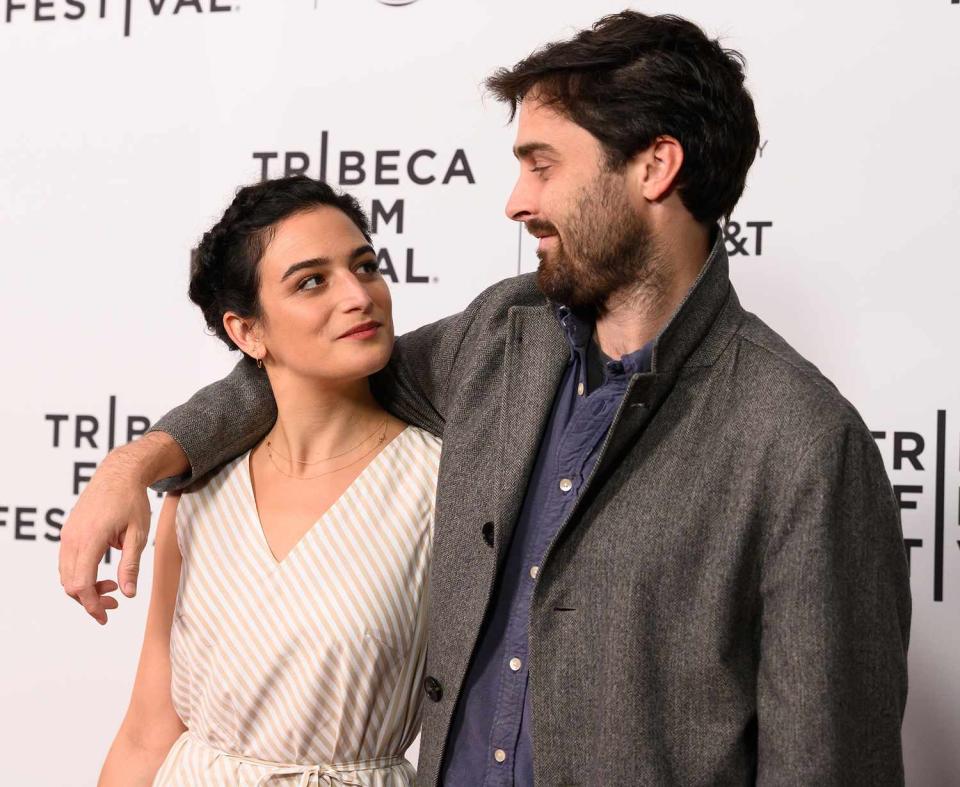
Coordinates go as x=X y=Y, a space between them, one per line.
x=224 y=268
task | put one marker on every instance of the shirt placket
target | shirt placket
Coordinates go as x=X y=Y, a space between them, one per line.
x=514 y=678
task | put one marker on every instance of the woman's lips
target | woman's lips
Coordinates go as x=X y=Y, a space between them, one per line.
x=365 y=330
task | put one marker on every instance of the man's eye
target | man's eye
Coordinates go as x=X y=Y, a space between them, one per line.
x=540 y=170
x=311 y=282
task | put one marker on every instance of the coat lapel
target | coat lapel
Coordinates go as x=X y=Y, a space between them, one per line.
x=537 y=354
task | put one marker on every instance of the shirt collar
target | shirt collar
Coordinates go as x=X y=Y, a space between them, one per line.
x=579 y=332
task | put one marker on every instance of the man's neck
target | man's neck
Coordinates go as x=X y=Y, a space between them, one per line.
x=633 y=318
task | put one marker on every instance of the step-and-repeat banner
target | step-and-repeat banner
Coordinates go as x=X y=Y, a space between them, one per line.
x=128 y=124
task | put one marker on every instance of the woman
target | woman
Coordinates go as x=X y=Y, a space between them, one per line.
x=286 y=632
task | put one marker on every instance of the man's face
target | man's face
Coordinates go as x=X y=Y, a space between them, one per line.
x=593 y=240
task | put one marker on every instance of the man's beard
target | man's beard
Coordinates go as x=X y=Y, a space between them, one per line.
x=608 y=249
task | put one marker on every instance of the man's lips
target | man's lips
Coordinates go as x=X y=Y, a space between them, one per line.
x=545 y=236
x=546 y=240
x=362 y=331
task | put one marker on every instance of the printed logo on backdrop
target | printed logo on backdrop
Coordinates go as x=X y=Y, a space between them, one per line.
x=316 y=3
x=82 y=439
x=347 y=168
x=123 y=12
x=742 y=237
x=915 y=453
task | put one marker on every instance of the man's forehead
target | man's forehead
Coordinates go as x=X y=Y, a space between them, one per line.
x=534 y=113
x=541 y=128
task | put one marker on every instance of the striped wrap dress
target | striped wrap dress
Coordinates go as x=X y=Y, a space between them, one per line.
x=306 y=671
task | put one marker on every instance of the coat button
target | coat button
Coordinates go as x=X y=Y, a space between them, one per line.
x=433 y=688
x=488 y=533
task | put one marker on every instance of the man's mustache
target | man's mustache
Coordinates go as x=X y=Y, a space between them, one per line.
x=538 y=228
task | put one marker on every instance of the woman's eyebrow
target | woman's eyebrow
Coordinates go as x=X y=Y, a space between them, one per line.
x=319 y=262
x=316 y=262
x=361 y=250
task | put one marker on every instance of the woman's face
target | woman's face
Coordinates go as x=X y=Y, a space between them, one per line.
x=326 y=308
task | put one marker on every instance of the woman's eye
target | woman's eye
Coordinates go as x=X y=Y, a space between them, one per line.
x=311 y=282
x=371 y=267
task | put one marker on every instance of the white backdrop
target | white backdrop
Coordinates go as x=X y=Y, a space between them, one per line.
x=127 y=125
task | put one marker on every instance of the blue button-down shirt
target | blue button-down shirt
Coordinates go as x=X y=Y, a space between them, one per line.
x=491 y=740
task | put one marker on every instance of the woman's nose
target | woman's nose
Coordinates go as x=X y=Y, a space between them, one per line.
x=353 y=294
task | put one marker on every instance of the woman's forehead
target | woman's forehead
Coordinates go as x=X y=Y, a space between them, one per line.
x=322 y=232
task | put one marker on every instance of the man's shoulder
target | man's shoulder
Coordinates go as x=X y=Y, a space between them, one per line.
x=488 y=315
x=499 y=297
x=786 y=390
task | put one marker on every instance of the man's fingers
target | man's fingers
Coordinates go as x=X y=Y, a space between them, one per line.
x=66 y=559
x=91 y=602
x=129 y=567
x=112 y=511
x=81 y=582
x=105 y=586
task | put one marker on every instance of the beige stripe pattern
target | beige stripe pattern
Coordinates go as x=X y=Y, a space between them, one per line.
x=305 y=671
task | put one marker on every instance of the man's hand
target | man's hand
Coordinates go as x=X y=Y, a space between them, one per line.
x=113 y=511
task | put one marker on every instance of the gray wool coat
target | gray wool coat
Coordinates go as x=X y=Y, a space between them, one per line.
x=729 y=602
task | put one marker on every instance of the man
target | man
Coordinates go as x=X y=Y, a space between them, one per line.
x=667 y=551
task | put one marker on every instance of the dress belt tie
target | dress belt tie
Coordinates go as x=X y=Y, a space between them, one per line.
x=326 y=775
x=319 y=774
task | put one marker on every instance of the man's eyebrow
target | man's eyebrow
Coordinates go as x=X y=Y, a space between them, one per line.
x=528 y=148
x=319 y=262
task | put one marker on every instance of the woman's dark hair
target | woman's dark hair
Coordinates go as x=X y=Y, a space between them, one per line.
x=224 y=268
x=631 y=78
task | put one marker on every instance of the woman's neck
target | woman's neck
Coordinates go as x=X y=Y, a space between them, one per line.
x=316 y=420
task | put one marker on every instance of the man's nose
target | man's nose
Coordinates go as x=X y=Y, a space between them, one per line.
x=521 y=206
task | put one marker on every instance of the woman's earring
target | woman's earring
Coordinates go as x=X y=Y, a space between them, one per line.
x=259 y=363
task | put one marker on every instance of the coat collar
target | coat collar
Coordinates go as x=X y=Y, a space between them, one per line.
x=691 y=323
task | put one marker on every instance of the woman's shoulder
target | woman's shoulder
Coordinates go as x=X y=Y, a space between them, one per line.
x=214 y=482
x=423 y=441
x=413 y=458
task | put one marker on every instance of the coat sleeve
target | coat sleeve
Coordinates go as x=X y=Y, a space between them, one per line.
x=835 y=622
x=219 y=422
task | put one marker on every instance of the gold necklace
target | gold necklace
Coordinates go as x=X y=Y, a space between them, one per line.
x=328 y=472
x=382 y=426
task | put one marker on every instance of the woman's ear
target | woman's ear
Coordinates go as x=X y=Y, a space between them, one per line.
x=245 y=333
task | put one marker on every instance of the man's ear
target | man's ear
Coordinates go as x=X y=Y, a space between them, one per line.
x=655 y=169
x=245 y=333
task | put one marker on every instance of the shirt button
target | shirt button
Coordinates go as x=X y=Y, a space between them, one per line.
x=515 y=664
x=566 y=484
x=534 y=570
x=500 y=755
x=580 y=389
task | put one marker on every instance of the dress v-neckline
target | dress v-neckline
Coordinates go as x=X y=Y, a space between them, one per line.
x=266 y=549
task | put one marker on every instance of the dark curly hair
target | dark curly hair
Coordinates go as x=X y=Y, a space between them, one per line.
x=224 y=268
x=631 y=78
